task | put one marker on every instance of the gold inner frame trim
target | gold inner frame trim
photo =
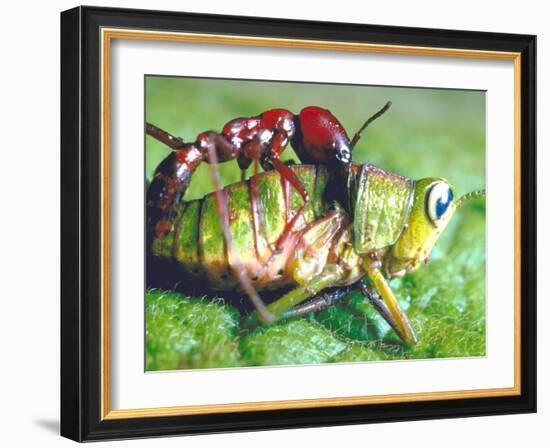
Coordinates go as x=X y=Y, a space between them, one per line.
x=107 y=35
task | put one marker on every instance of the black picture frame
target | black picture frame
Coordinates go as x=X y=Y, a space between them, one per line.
x=81 y=209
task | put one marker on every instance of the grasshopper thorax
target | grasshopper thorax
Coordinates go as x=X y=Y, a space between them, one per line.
x=382 y=202
x=397 y=221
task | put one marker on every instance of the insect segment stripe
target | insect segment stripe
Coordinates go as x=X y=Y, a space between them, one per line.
x=307 y=178
x=320 y=206
x=212 y=245
x=197 y=243
x=186 y=247
x=164 y=246
x=240 y=217
x=271 y=196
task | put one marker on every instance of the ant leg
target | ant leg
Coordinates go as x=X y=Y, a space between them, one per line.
x=163 y=136
x=289 y=226
x=268 y=150
x=315 y=244
x=243 y=162
x=251 y=154
x=222 y=149
x=289 y=176
x=170 y=182
x=238 y=269
x=173 y=175
x=254 y=151
x=278 y=144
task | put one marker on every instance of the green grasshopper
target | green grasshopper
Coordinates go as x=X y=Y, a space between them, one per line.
x=314 y=230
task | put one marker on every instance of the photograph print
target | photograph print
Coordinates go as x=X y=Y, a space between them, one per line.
x=293 y=223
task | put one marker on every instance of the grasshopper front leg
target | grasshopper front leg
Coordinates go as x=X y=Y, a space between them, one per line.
x=388 y=306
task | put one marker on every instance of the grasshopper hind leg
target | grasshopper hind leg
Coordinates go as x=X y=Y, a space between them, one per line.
x=318 y=303
x=296 y=296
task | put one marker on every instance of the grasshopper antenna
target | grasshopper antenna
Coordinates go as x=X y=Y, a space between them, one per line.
x=378 y=114
x=476 y=194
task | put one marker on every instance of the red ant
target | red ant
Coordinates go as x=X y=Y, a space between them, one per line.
x=315 y=134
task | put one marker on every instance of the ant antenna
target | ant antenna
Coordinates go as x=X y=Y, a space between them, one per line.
x=357 y=135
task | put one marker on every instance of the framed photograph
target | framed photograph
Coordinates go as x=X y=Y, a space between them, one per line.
x=275 y=224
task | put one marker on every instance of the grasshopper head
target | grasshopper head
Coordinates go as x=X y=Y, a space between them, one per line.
x=433 y=207
x=429 y=206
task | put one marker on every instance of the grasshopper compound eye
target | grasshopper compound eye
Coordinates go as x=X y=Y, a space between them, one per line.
x=438 y=200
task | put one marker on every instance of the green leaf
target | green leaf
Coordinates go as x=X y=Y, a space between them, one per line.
x=187 y=333
x=291 y=342
x=367 y=352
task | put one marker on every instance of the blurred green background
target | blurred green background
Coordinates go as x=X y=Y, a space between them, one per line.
x=426 y=132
